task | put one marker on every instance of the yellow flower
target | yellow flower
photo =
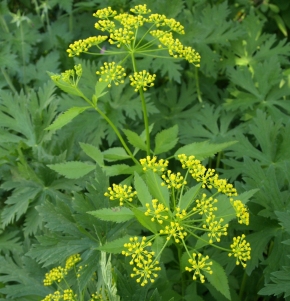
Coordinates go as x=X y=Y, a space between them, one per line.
x=142 y=80
x=54 y=275
x=156 y=211
x=157 y=166
x=83 y=45
x=205 y=205
x=241 y=212
x=215 y=228
x=173 y=180
x=72 y=260
x=111 y=72
x=121 y=36
x=105 y=25
x=199 y=265
x=105 y=13
x=123 y=193
x=140 y=10
x=241 y=250
x=174 y=230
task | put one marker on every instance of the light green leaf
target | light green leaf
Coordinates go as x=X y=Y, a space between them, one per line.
x=73 y=169
x=218 y=279
x=143 y=193
x=119 y=169
x=189 y=197
x=66 y=117
x=157 y=245
x=118 y=215
x=144 y=220
x=166 y=140
x=202 y=150
x=115 y=154
x=116 y=246
x=135 y=139
x=93 y=152
x=159 y=192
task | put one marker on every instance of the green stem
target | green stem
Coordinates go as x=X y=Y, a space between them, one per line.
x=243 y=285
x=144 y=109
x=197 y=85
x=8 y=80
x=118 y=134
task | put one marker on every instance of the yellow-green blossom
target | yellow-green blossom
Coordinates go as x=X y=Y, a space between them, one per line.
x=111 y=72
x=241 y=250
x=142 y=80
x=140 y=10
x=123 y=193
x=241 y=212
x=199 y=265
x=172 y=180
x=54 y=275
x=153 y=164
x=121 y=36
x=56 y=296
x=215 y=227
x=105 y=13
x=156 y=211
x=72 y=260
x=205 y=205
x=175 y=231
x=83 y=45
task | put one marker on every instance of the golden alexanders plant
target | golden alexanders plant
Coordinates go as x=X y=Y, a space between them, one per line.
x=190 y=210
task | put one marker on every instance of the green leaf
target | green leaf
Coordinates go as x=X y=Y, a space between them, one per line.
x=166 y=140
x=143 y=193
x=93 y=152
x=218 y=279
x=144 y=220
x=119 y=169
x=116 y=246
x=118 y=215
x=115 y=154
x=157 y=245
x=159 y=192
x=189 y=197
x=202 y=150
x=66 y=117
x=135 y=139
x=72 y=169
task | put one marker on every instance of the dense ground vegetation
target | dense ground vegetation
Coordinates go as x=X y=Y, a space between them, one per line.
x=231 y=113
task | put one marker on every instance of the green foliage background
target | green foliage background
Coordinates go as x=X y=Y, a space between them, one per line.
x=240 y=93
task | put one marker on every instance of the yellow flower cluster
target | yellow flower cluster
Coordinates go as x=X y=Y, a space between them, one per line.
x=142 y=79
x=140 y=10
x=180 y=214
x=145 y=267
x=130 y=22
x=100 y=296
x=175 y=48
x=201 y=264
x=54 y=275
x=72 y=261
x=157 y=19
x=105 y=13
x=111 y=72
x=241 y=212
x=121 y=36
x=215 y=228
x=58 y=273
x=71 y=76
x=157 y=166
x=123 y=193
x=172 y=180
x=175 y=231
x=105 y=25
x=69 y=295
x=241 y=250
x=56 y=296
x=205 y=205
x=83 y=45
x=207 y=177
x=155 y=211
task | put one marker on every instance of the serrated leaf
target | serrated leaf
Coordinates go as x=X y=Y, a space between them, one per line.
x=116 y=246
x=189 y=197
x=144 y=220
x=218 y=279
x=135 y=139
x=115 y=154
x=93 y=152
x=166 y=140
x=66 y=117
x=158 y=191
x=141 y=188
x=117 y=215
x=72 y=169
x=202 y=150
